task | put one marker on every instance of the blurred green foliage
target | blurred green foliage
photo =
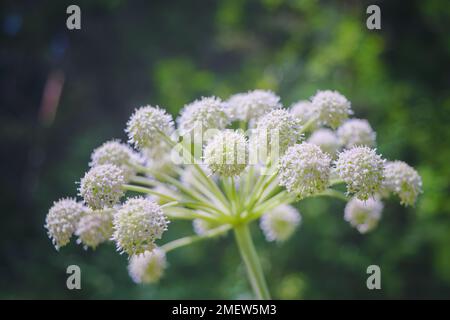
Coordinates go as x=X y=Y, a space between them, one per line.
x=130 y=53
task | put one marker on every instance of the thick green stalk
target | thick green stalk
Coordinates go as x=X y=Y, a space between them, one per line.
x=248 y=253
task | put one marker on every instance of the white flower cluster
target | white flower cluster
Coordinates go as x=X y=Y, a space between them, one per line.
x=402 y=180
x=280 y=223
x=146 y=125
x=326 y=139
x=203 y=114
x=227 y=153
x=118 y=154
x=148 y=267
x=361 y=168
x=363 y=215
x=252 y=105
x=279 y=130
x=303 y=111
x=102 y=186
x=62 y=220
x=137 y=224
x=304 y=170
x=331 y=108
x=356 y=132
x=95 y=228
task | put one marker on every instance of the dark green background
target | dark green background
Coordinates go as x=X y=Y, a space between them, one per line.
x=130 y=53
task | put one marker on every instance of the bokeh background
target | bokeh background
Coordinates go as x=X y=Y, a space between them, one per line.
x=62 y=93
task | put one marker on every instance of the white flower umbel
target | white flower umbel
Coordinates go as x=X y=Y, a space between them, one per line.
x=326 y=139
x=116 y=153
x=280 y=223
x=252 y=105
x=226 y=183
x=101 y=187
x=403 y=181
x=148 y=267
x=62 y=220
x=227 y=153
x=304 y=170
x=361 y=168
x=356 y=132
x=363 y=215
x=278 y=127
x=146 y=125
x=206 y=113
x=137 y=224
x=331 y=108
x=95 y=228
x=303 y=111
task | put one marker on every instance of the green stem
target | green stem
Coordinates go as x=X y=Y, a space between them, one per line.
x=260 y=190
x=169 y=204
x=188 y=192
x=176 y=213
x=245 y=192
x=214 y=188
x=233 y=190
x=248 y=253
x=308 y=125
x=203 y=206
x=202 y=188
x=130 y=187
x=166 y=138
x=279 y=199
x=182 y=242
x=143 y=181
